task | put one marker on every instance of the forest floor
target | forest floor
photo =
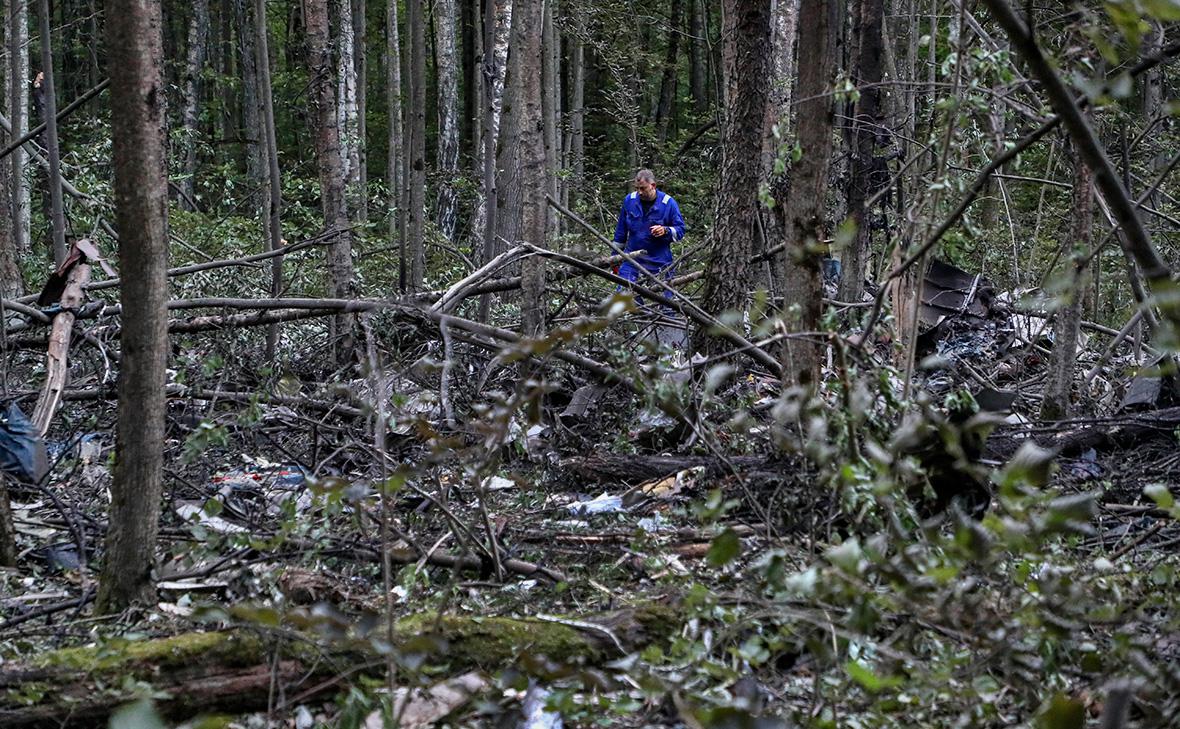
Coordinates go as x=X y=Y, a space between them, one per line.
x=752 y=560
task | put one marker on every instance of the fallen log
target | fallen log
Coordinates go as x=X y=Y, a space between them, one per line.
x=237 y=670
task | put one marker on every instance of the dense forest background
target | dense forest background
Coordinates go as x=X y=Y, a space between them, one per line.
x=330 y=401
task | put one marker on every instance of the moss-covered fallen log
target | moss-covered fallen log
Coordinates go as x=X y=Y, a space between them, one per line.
x=237 y=671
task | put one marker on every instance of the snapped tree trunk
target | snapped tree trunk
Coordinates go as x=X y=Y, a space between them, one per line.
x=190 y=104
x=326 y=135
x=1055 y=402
x=803 y=209
x=136 y=62
x=735 y=236
x=447 y=208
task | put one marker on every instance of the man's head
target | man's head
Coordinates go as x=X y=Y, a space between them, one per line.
x=645 y=184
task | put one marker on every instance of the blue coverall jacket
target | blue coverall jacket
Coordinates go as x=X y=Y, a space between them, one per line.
x=633 y=232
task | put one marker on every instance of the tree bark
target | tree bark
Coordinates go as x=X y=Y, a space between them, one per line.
x=664 y=109
x=803 y=210
x=190 y=105
x=394 y=162
x=735 y=237
x=347 y=115
x=18 y=106
x=447 y=207
x=269 y=146
x=136 y=62
x=361 y=65
x=778 y=119
x=326 y=135
x=497 y=24
x=577 y=106
x=416 y=139
x=697 y=73
x=1055 y=402
x=864 y=179
x=52 y=152
x=525 y=181
x=251 y=127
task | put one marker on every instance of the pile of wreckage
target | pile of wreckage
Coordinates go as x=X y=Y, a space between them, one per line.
x=999 y=346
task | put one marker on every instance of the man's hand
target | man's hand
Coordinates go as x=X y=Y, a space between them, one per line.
x=658 y=230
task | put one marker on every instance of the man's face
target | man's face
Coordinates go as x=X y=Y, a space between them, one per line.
x=647 y=190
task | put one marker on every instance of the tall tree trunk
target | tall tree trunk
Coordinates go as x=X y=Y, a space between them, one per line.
x=251 y=127
x=803 y=209
x=1055 y=404
x=11 y=284
x=698 y=57
x=664 y=109
x=447 y=209
x=274 y=195
x=136 y=61
x=866 y=126
x=330 y=162
x=526 y=146
x=49 y=116
x=346 y=103
x=18 y=107
x=497 y=23
x=360 y=59
x=190 y=104
x=735 y=237
x=551 y=103
x=393 y=168
x=777 y=128
x=416 y=139
x=577 y=106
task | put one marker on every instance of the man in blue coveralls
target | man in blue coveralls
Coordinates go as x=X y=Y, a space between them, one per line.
x=649 y=221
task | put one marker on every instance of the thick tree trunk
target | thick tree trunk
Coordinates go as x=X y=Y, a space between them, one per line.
x=416 y=140
x=735 y=237
x=269 y=145
x=803 y=210
x=326 y=135
x=18 y=108
x=394 y=162
x=664 y=109
x=551 y=103
x=136 y=62
x=190 y=103
x=776 y=130
x=1055 y=403
x=447 y=208
x=698 y=57
x=346 y=103
x=866 y=126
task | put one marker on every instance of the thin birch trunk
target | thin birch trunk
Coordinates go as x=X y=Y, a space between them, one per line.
x=393 y=168
x=269 y=145
x=190 y=109
x=447 y=206
x=346 y=103
x=18 y=108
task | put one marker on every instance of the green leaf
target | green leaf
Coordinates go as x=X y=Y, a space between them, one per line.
x=1160 y=494
x=1162 y=9
x=1063 y=713
x=870 y=681
x=724 y=549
